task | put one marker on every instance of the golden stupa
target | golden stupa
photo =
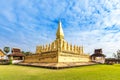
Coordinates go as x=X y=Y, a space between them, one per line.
x=58 y=51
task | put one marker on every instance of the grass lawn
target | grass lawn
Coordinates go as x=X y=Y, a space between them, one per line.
x=95 y=72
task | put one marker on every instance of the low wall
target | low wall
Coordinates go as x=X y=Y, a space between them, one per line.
x=64 y=57
x=16 y=61
x=54 y=57
x=47 y=57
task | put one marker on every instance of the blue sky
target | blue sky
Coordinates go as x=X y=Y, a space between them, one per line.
x=91 y=23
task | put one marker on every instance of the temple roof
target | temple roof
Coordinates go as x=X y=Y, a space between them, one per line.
x=1 y=53
x=60 y=34
x=98 y=53
x=16 y=52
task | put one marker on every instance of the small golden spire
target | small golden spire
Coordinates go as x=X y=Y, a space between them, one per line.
x=60 y=34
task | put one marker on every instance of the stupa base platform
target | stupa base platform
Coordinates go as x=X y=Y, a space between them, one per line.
x=58 y=65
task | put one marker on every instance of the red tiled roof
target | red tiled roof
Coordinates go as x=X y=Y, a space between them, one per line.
x=14 y=50
x=16 y=54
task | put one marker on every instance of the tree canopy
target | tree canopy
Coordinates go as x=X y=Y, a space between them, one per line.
x=117 y=55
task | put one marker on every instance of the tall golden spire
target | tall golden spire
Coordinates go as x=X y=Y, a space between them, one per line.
x=60 y=34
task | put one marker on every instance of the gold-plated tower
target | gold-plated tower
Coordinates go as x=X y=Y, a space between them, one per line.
x=60 y=34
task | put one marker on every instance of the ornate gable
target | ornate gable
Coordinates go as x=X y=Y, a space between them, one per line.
x=2 y=53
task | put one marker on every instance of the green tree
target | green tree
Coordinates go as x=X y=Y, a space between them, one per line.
x=26 y=53
x=117 y=55
x=6 y=49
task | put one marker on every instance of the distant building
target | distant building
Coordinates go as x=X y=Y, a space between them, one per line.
x=16 y=56
x=3 y=58
x=98 y=56
x=112 y=61
x=2 y=54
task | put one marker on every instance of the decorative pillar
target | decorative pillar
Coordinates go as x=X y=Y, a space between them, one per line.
x=74 y=49
x=49 y=47
x=63 y=46
x=46 y=47
x=67 y=47
x=54 y=46
x=43 y=48
x=71 y=47
x=82 y=49
x=79 y=49
x=60 y=45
